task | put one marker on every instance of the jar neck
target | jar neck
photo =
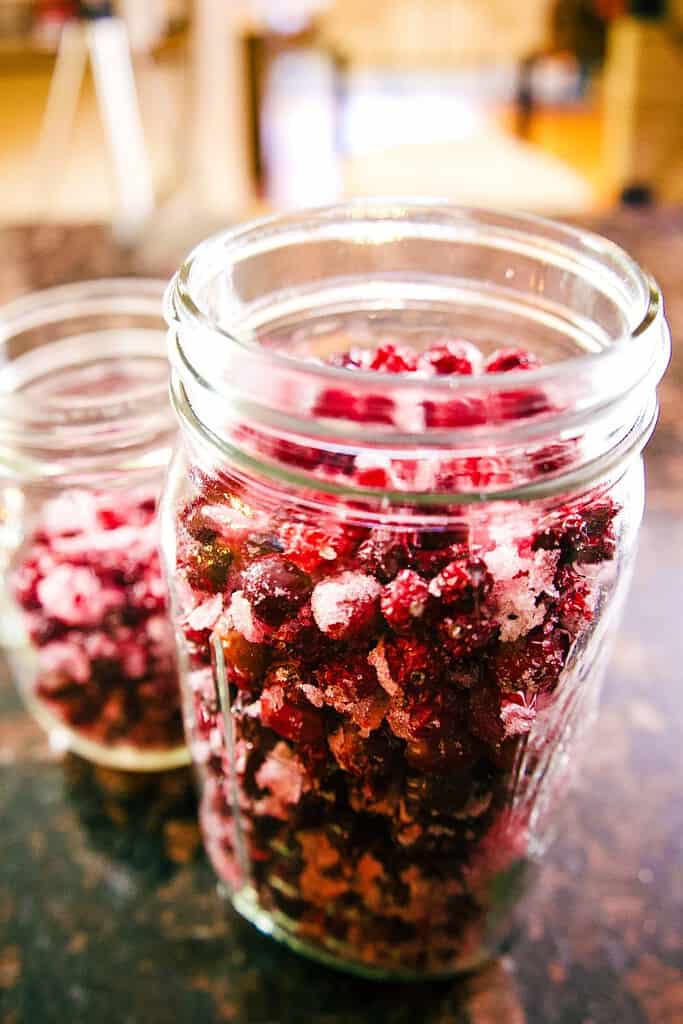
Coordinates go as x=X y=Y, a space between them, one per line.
x=253 y=315
x=84 y=384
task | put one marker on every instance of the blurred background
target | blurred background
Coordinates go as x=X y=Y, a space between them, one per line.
x=181 y=115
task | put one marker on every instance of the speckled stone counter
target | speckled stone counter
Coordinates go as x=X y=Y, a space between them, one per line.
x=108 y=911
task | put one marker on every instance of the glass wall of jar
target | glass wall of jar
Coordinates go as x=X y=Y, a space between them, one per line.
x=398 y=533
x=86 y=432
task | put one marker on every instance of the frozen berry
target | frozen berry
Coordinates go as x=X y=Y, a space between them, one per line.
x=244 y=661
x=290 y=718
x=448 y=357
x=346 y=605
x=275 y=588
x=390 y=358
x=503 y=360
x=311 y=548
x=403 y=661
x=534 y=662
x=464 y=411
x=465 y=633
x=208 y=565
x=383 y=554
x=464 y=583
x=350 y=686
x=404 y=600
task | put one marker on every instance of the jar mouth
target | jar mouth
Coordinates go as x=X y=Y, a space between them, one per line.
x=83 y=375
x=517 y=232
x=599 y=314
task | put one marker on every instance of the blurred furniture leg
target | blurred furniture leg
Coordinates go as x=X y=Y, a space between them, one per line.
x=60 y=110
x=105 y=42
x=115 y=83
x=221 y=175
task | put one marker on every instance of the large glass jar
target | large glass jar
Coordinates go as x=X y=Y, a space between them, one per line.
x=398 y=558
x=86 y=433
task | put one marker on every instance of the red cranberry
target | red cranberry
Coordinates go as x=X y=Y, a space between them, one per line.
x=390 y=358
x=275 y=588
x=550 y=458
x=518 y=405
x=411 y=661
x=382 y=555
x=335 y=403
x=375 y=409
x=346 y=605
x=532 y=663
x=503 y=360
x=207 y=566
x=310 y=548
x=464 y=583
x=463 y=411
x=25 y=582
x=463 y=634
x=404 y=600
x=244 y=661
x=448 y=357
x=293 y=721
x=574 y=607
x=432 y=714
x=377 y=476
x=350 y=687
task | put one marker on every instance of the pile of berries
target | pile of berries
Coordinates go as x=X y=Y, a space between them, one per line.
x=390 y=689
x=89 y=584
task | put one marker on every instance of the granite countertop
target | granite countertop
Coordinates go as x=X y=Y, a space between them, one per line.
x=108 y=911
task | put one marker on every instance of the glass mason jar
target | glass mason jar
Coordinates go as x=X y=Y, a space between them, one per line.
x=86 y=433
x=397 y=558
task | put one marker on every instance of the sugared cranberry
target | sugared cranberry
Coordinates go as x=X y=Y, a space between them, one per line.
x=275 y=588
x=390 y=358
x=311 y=548
x=244 y=661
x=404 y=600
x=451 y=357
x=207 y=567
x=519 y=405
x=464 y=583
x=465 y=633
x=503 y=360
x=534 y=662
x=464 y=411
x=346 y=605
x=350 y=686
x=289 y=719
x=336 y=403
x=383 y=554
x=410 y=661
x=25 y=581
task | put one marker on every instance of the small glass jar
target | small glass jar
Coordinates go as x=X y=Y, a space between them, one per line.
x=397 y=559
x=86 y=432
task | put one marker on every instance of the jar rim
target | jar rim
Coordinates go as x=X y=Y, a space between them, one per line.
x=84 y=423
x=631 y=363
x=180 y=302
